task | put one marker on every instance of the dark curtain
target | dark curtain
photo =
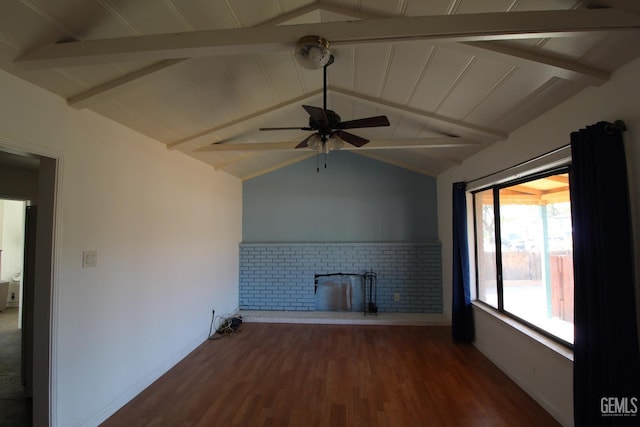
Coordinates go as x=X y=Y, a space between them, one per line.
x=606 y=355
x=462 y=314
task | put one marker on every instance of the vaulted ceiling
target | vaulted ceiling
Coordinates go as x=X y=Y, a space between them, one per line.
x=202 y=76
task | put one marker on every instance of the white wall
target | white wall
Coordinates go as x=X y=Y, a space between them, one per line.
x=166 y=229
x=544 y=374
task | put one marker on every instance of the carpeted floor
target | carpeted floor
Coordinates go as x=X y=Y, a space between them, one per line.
x=14 y=408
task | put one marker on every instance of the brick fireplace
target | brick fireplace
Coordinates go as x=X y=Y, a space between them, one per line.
x=280 y=276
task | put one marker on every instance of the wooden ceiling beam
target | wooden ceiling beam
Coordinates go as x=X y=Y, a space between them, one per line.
x=556 y=190
x=521 y=189
x=564 y=178
x=486 y=134
x=556 y=197
x=567 y=70
x=138 y=77
x=377 y=144
x=119 y=84
x=416 y=143
x=557 y=67
x=553 y=66
x=208 y=132
x=262 y=39
x=627 y=5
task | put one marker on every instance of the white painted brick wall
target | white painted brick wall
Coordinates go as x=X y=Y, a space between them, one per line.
x=280 y=276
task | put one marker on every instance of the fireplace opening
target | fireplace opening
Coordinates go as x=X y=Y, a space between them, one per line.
x=339 y=292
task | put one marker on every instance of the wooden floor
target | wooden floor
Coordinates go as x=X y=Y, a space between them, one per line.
x=333 y=375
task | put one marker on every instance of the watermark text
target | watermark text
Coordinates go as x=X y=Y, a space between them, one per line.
x=619 y=406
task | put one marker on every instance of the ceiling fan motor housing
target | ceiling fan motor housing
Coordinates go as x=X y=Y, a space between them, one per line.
x=330 y=130
x=332 y=117
x=313 y=52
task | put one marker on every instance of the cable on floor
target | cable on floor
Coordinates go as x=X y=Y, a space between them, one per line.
x=224 y=325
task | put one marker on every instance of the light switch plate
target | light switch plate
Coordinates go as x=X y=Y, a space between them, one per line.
x=89 y=259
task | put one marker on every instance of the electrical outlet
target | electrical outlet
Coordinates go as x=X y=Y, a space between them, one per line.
x=89 y=259
x=396 y=296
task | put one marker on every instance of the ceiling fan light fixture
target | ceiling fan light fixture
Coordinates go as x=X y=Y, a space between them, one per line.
x=315 y=143
x=334 y=143
x=312 y=52
x=324 y=144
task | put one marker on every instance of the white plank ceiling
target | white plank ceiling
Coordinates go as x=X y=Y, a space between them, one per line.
x=202 y=76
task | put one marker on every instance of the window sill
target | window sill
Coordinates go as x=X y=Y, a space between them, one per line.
x=530 y=333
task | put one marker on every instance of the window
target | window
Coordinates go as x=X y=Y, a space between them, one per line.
x=524 y=251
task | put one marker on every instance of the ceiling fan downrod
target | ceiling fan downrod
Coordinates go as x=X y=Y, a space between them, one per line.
x=313 y=52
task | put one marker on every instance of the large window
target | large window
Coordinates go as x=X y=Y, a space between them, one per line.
x=524 y=251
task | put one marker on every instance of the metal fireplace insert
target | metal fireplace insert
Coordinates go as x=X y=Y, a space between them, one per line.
x=346 y=292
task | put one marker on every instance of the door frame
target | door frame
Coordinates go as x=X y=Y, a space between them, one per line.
x=45 y=278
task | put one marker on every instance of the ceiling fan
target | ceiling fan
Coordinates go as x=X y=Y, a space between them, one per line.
x=313 y=52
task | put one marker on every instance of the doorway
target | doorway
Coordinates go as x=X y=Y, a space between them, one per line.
x=31 y=180
x=15 y=404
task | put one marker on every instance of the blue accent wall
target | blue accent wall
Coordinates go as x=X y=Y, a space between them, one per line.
x=357 y=215
x=355 y=199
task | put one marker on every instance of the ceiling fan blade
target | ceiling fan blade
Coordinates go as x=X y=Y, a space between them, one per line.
x=318 y=116
x=368 y=122
x=288 y=128
x=351 y=138
x=305 y=142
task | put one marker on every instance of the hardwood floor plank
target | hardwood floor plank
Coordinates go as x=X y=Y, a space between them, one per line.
x=333 y=375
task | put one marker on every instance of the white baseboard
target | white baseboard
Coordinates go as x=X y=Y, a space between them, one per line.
x=141 y=385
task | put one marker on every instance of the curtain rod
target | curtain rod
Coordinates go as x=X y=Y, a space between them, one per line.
x=611 y=127
x=617 y=125
x=555 y=150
